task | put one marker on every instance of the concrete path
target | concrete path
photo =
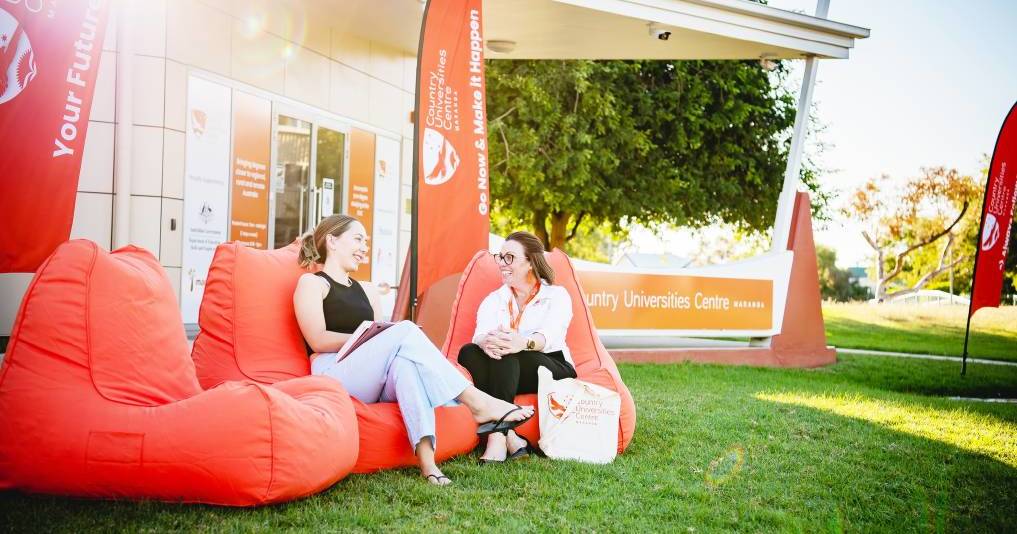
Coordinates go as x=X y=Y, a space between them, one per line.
x=923 y=356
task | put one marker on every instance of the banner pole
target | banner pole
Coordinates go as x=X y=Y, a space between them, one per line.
x=414 y=212
x=978 y=243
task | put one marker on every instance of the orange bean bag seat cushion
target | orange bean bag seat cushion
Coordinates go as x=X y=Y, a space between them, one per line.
x=593 y=363
x=249 y=331
x=99 y=398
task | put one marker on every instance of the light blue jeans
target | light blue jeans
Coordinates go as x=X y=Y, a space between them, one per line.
x=399 y=365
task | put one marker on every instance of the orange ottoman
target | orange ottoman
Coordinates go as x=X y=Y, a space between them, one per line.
x=99 y=398
x=593 y=363
x=249 y=331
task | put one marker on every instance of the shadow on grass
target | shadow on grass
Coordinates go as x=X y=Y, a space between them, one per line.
x=909 y=466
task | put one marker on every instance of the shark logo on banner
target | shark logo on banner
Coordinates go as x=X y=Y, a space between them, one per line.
x=440 y=158
x=450 y=168
x=49 y=57
x=17 y=59
x=990 y=234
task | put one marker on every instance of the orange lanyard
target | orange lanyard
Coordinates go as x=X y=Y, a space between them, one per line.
x=514 y=319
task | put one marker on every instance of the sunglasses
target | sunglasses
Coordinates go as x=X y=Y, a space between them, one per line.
x=504 y=259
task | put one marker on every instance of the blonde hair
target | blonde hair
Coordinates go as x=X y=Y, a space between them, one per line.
x=312 y=244
x=534 y=249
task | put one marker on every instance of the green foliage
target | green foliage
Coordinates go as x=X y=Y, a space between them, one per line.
x=593 y=242
x=687 y=143
x=836 y=283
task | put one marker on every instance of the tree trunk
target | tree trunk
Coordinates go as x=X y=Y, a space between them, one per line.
x=559 y=227
x=880 y=282
x=540 y=227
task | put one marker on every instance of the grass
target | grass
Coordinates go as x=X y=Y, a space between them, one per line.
x=868 y=444
x=922 y=329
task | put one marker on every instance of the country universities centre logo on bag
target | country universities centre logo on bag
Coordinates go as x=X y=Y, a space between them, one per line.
x=578 y=420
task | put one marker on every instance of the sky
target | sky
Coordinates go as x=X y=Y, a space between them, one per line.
x=930 y=86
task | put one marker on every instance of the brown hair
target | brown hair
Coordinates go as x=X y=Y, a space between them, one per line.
x=312 y=244
x=534 y=249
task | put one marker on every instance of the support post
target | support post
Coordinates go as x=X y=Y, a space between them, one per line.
x=124 y=127
x=786 y=201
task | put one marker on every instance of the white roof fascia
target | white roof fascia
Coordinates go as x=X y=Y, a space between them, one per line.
x=764 y=11
x=774 y=27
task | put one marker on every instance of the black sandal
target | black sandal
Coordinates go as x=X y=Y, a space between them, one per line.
x=437 y=479
x=521 y=452
x=502 y=425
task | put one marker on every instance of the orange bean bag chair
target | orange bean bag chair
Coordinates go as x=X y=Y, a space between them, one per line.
x=99 y=398
x=249 y=331
x=593 y=363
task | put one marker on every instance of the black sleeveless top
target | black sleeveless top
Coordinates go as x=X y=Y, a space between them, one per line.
x=345 y=307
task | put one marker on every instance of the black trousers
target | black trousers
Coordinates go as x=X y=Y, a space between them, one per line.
x=513 y=373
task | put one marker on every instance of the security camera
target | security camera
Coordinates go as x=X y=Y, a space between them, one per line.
x=658 y=32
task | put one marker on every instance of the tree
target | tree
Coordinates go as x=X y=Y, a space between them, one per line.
x=900 y=221
x=958 y=278
x=609 y=142
x=836 y=283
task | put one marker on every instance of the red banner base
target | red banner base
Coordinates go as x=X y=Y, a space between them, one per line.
x=802 y=341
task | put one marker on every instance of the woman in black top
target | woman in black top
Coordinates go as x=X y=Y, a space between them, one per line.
x=400 y=364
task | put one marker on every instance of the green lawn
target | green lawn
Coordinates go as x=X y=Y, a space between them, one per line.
x=922 y=329
x=868 y=444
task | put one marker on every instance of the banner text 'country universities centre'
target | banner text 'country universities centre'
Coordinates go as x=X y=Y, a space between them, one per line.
x=451 y=137
x=49 y=57
x=997 y=216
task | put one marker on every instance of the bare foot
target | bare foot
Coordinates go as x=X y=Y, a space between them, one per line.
x=514 y=443
x=486 y=408
x=434 y=476
x=496 y=449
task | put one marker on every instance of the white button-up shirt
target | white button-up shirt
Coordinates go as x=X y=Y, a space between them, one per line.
x=548 y=314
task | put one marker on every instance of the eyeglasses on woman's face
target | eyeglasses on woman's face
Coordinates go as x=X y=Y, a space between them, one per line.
x=504 y=259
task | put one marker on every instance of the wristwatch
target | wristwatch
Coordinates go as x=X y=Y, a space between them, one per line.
x=530 y=344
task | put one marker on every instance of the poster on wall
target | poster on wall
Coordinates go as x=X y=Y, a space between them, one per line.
x=385 y=241
x=252 y=151
x=327 y=197
x=206 y=187
x=49 y=56
x=361 y=193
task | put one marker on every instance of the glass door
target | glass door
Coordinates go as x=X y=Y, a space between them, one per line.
x=291 y=182
x=329 y=171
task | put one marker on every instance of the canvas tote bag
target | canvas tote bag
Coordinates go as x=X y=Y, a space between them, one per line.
x=578 y=420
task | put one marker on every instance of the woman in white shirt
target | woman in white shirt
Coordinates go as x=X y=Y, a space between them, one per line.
x=520 y=326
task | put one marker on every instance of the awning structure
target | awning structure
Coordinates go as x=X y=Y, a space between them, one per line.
x=697 y=29
x=700 y=29
x=616 y=29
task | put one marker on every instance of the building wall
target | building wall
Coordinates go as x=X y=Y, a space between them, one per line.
x=268 y=44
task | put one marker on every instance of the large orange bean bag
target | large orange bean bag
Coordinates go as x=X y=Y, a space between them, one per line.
x=593 y=363
x=98 y=398
x=249 y=331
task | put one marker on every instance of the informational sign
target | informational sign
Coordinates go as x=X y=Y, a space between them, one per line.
x=636 y=301
x=206 y=187
x=451 y=167
x=327 y=197
x=361 y=194
x=49 y=57
x=252 y=151
x=385 y=242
